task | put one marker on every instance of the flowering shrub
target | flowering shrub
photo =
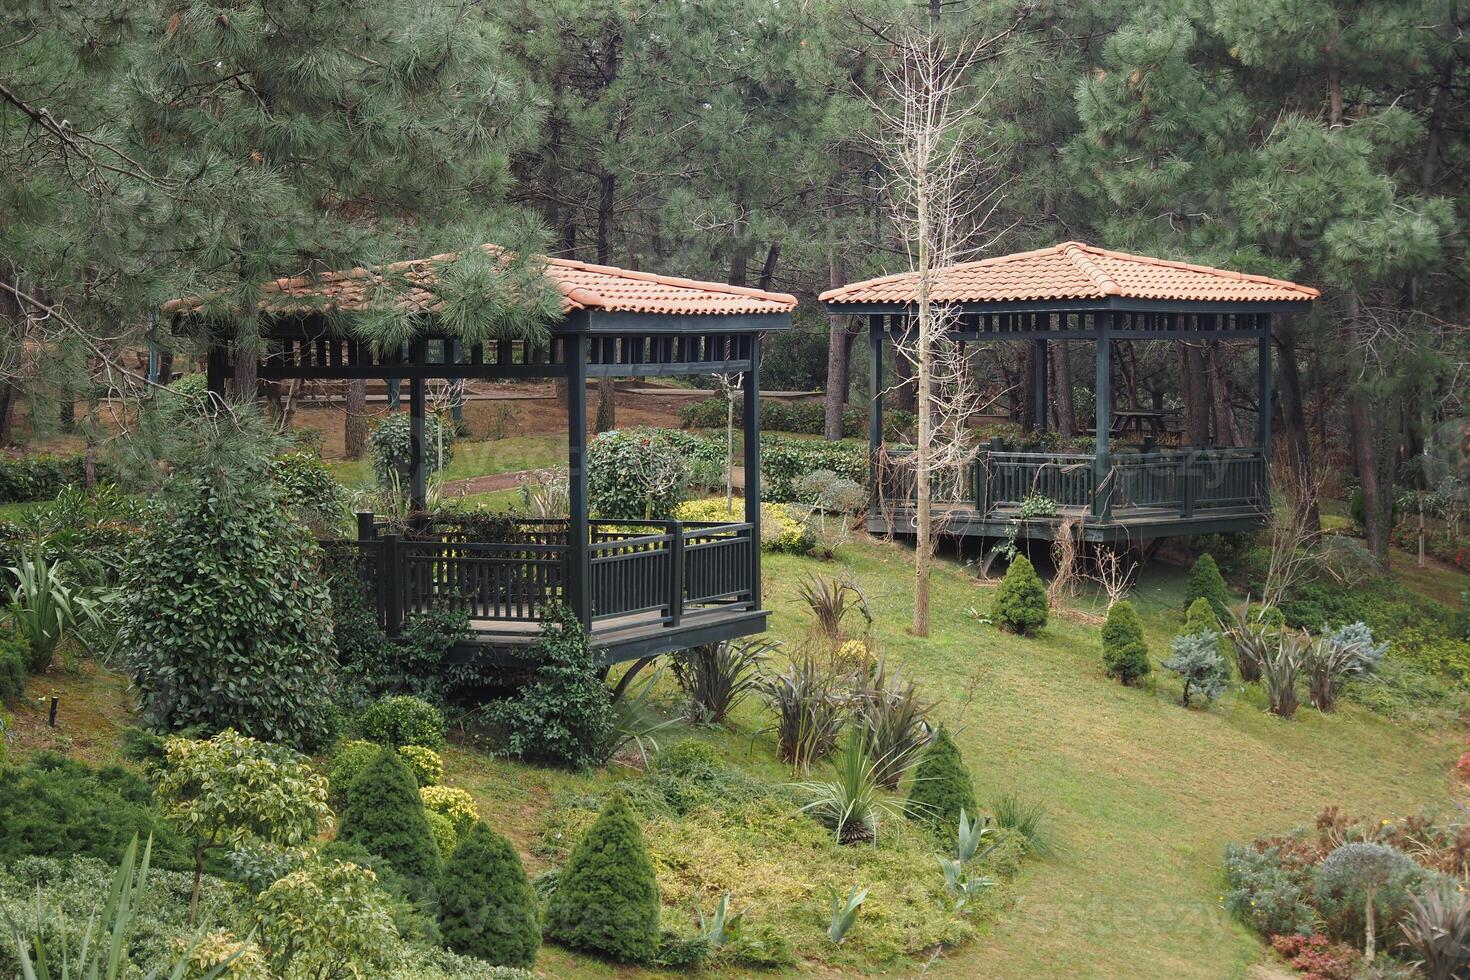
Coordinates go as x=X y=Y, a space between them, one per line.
x=451 y=801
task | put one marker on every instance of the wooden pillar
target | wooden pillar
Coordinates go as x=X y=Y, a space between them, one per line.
x=215 y=366
x=1038 y=386
x=417 y=449
x=750 y=422
x=875 y=406
x=1263 y=390
x=578 y=570
x=1102 y=463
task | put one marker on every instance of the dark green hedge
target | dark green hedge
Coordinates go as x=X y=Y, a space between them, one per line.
x=38 y=477
x=784 y=461
x=802 y=418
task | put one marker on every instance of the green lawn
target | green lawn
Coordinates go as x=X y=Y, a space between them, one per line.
x=1142 y=794
x=472 y=459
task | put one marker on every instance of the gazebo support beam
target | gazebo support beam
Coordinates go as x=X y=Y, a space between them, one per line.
x=578 y=569
x=417 y=451
x=1102 y=464
x=751 y=430
x=875 y=405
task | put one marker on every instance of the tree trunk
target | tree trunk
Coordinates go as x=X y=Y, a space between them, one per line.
x=607 y=405
x=244 y=381
x=903 y=373
x=354 y=437
x=840 y=336
x=1226 y=432
x=1368 y=428
x=1294 y=426
x=1062 y=391
x=1196 y=396
x=768 y=268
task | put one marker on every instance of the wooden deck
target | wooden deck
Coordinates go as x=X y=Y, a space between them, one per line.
x=1124 y=524
x=617 y=638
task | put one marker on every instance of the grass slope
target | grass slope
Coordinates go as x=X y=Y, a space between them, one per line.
x=1142 y=793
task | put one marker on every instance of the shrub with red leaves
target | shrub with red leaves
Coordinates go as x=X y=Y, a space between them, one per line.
x=1462 y=767
x=1316 y=957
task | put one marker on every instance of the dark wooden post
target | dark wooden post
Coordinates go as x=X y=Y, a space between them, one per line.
x=392 y=582
x=750 y=424
x=576 y=587
x=367 y=530
x=215 y=366
x=875 y=408
x=1102 y=463
x=1263 y=410
x=1038 y=387
x=417 y=451
x=676 y=572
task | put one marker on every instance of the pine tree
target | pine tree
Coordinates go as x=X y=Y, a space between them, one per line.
x=1206 y=582
x=942 y=785
x=487 y=907
x=1125 y=655
x=606 y=900
x=385 y=816
x=1020 y=604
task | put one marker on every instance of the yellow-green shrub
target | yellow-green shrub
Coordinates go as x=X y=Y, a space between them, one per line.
x=783 y=527
x=451 y=801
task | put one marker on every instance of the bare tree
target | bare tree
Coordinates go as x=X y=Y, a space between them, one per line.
x=942 y=191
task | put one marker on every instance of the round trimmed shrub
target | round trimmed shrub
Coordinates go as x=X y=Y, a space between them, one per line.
x=402 y=720
x=606 y=899
x=226 y=621
x=1124 y=653
x=487 y=907
x=425 y=764
x=1020 y=604
x=942 y=785
x=1206 y=582
x=391 y=449
x=385 y=816
x=452 y=802
x=1200 y=618
x=349 y=759
x=638 y=474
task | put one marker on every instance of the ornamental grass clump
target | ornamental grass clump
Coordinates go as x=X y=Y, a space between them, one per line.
x=487 y=907
x=606 y=899
x=1206 y=582
x=894 y=723
x=1334 y=657
x=809 y=703
x=852 y=802
x=1020 y=604
x=716 y=677
x=942 y=787
x=385 y=816
x=1280 y=668
x=1125 y=655
x=1437 y=930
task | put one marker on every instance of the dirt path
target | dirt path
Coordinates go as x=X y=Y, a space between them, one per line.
x=483 y=484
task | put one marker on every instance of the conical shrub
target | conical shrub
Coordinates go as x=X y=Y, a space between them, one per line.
x=1206 y=582
x=1125 y=655
x=1020 y=605
x=942 y=785
x=487 y=907
x=606 y=900
x=385 y=816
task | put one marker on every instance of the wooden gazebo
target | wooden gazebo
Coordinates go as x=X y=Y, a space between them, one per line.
x=1077 y=292
x=640 y=587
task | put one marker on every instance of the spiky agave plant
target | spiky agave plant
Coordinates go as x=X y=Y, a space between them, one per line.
x=718 y=676
x=852 y=803
x=830 y=600
x=1279 y=670
x=1251 y=637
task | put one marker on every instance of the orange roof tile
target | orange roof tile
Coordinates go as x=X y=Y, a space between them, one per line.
x=583 y=287
x=1073 y=270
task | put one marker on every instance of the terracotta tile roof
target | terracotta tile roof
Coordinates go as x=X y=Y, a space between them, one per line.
x=583 y=287
x=1073 y=270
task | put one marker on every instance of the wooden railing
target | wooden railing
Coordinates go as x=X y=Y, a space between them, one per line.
x=1184 y=480
x=663 y=567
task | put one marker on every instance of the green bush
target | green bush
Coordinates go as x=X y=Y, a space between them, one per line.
x=225 y=619
x=1206 y=582
x=56 y=807
x=487 y=907
x=606 y=899
x=352 y=756
x=425 y=764
x=638 y=474
x=1200 y=617
x=1263 y=894
x=1125 y=655
x=785 y=461
x=12 y=669
x=309 y=491
x=38 y=477
x=564 y=714
x=1019 y=605
x=391 y=449
x=385 y=816
x=402 y=720
x=942 y=785
x=446 y=838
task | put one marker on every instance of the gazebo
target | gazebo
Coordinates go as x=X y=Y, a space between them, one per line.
x=640 y=587
x=1119 y=492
